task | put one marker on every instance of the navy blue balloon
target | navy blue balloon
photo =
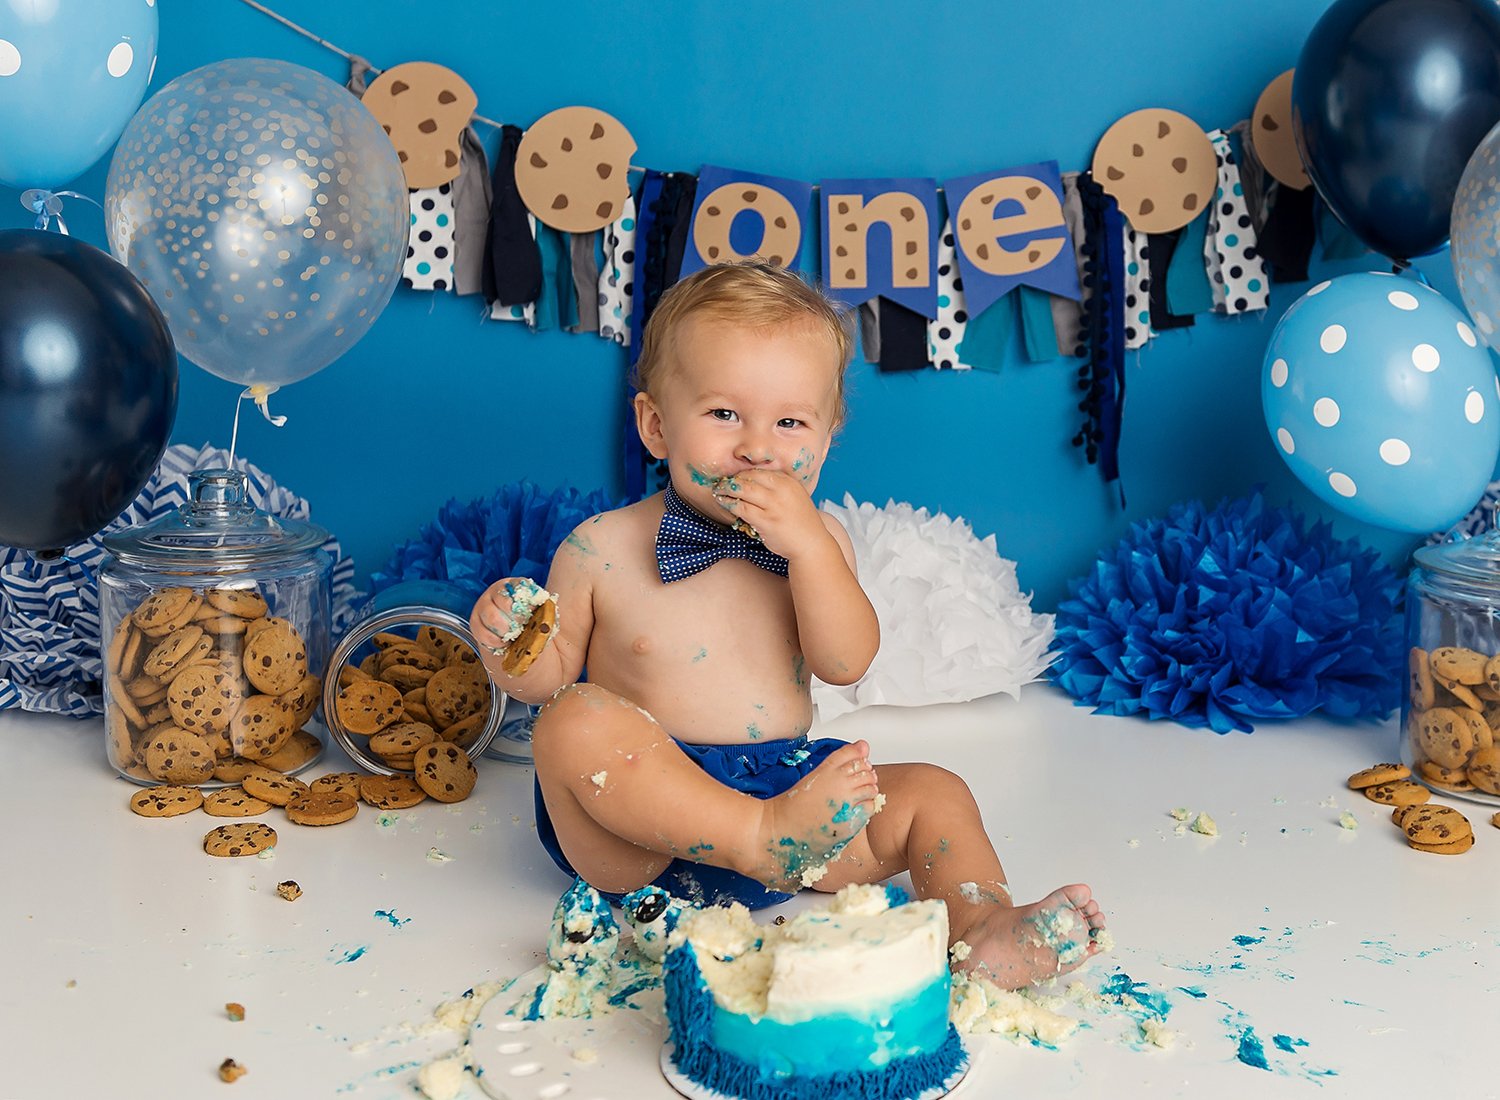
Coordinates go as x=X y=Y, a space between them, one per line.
x=1390 y=99
x=88 y=389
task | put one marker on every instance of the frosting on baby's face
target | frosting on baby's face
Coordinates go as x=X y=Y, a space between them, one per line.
x=737 y=399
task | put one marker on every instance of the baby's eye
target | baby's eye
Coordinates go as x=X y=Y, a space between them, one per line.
x=722 y=414
x=788 y=422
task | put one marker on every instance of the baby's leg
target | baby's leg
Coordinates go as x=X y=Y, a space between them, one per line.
x=625 y=800
x=931 y=827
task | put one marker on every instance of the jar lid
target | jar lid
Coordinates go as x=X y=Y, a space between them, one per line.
x=1472 y=559
x=217 y=528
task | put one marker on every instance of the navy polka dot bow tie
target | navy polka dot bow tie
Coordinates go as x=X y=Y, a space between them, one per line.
x=686 y=543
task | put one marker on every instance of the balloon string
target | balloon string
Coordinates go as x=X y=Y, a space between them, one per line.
x=260 y=394
x=47 y=205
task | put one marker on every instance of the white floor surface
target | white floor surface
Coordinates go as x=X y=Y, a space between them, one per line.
x=1362 y=967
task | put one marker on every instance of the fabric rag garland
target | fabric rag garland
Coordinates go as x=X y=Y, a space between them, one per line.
x=954 y=624
x=49 y=611
x=511 y=533
x=1218 y=617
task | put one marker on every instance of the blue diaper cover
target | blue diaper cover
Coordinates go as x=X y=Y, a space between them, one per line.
x=761 y=768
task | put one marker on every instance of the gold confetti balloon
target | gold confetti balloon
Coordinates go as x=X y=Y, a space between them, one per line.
x=266 y=211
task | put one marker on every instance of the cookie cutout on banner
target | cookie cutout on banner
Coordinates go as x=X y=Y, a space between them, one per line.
x=1159 y=166
x=896 y=264
x=572 y=168
x=1009 y=229
x=424 y=108
x=745 y=215
x=1271 y=130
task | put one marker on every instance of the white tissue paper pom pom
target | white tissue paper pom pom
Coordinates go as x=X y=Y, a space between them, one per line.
x=954 y=624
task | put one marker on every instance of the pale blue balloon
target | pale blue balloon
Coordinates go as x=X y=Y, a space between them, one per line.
x=266 y=211
x=1383 y=402
x=72 y=72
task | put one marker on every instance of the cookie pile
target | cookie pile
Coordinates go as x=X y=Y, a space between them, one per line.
x=443 y=771
x=412 y=693
x=197 y=680
x=1428 y=828
x=1455 y=708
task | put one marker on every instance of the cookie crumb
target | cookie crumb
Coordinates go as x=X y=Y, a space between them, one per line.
x=230 y=1070
x=74 y=983
x=585 y=1054
x=289 y=890
x=782 y=920
x=599 y=778
x=1182 y=813
x=1348 y=821
x=236 y=1011
x=1205 y=825
x=437 y=855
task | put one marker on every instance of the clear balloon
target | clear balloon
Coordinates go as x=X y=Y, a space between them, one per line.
x=1476 y=237
x=1383 y=402
x=266 y=211
x=72 y=72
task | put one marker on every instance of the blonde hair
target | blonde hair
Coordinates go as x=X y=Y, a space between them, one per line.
x=754 y=295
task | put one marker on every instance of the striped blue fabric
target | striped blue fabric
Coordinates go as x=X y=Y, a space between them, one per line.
x=49 y=611
x=686 y=543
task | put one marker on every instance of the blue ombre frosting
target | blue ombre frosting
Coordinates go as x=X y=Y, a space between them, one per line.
x=895 y=1054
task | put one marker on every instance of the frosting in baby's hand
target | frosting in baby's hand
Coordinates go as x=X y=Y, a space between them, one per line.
x=525 y=597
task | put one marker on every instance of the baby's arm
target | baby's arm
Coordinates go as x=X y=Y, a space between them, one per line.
x=835 y=622
x=561 y=663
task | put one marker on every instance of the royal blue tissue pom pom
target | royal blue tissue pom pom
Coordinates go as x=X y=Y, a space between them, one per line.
x=512 y=533
x=1212 y=618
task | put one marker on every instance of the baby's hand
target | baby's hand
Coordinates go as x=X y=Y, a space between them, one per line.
x=501 y=612
x=777 y=506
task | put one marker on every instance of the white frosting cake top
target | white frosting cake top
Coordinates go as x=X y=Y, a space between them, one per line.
x=852 y=954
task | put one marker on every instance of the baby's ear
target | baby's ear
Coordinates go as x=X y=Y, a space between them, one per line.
x=649 y=424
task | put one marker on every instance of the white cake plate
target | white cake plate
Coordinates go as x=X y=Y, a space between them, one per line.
x=516 y=1059
x=694 y=1091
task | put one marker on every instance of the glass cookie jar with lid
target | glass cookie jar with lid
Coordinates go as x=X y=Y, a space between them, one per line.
x=1450 y=706
x=214 y=627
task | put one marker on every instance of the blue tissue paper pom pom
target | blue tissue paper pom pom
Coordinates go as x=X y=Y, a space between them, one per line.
x=1211 y=618
x=512 y=533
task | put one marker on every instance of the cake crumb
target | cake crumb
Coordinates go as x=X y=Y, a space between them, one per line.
x=1348 y=821
x=812 y=875
x=268 y=853
x=879 y=804
x=1133 y=843
x=1205 y=825
x=969 y=891
x=599 y=778
x=441 y=1080
x=230 y=1070
x=1105 y=939
x=1182 y=813
x=960 y=951
x=1157 y=1033
x=236 y=1012
x=585 y=1054
x=437 y=855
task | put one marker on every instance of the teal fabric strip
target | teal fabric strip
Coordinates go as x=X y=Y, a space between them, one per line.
x=1188 y=288
x=1037 y=330
x=549 y=243
x=987 y=337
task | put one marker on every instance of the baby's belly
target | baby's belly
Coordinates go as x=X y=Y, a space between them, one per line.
x=708 y=692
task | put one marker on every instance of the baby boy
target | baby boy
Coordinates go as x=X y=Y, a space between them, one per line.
x=702 y=614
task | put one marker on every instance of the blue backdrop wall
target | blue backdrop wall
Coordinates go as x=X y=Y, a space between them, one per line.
x=436 y=402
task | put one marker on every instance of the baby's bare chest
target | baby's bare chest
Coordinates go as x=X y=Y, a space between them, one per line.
x=714 y=657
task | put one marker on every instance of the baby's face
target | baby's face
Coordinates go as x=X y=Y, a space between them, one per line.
x=738 y=399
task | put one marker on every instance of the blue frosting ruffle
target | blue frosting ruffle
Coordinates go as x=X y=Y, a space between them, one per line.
x=1212 y=618
x=512 y=533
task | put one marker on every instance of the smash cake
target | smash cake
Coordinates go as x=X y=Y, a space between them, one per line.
x=844 y=1002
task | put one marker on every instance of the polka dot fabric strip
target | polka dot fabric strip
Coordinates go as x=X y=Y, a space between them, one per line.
x=1137 y=289
x=946 y=333
x=1240 y=283
x=617 y=275
x=429 y=253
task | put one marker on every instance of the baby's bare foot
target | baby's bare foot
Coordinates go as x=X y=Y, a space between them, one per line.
x=1031 y=943
x=805 y=827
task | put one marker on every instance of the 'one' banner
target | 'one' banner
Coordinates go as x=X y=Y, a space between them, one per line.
x=744 y=215
x=880 y=237
x=1009 y=229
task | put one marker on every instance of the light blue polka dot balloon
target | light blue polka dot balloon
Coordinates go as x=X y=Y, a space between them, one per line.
x=1383 y=402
